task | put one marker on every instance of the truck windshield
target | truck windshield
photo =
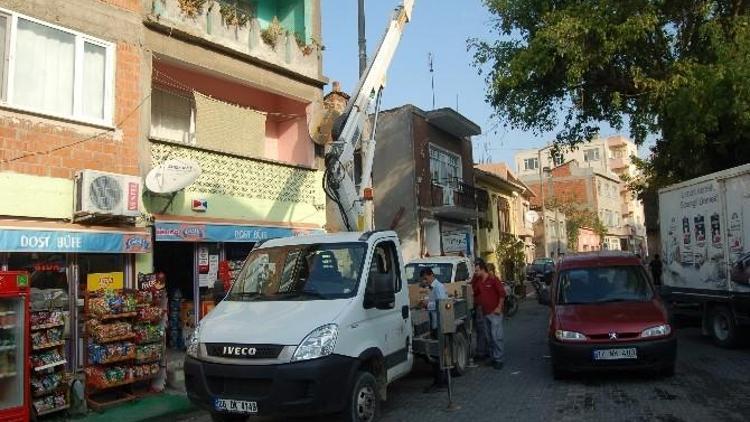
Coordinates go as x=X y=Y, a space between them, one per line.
x=603 y=285
x=443 y=272
x=300 y=272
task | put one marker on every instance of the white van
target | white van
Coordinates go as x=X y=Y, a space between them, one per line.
x=313 y=324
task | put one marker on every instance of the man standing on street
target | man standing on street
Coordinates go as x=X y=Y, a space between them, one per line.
x=482 y=349
x=656 y=269
x=437 y=292
x=491 y=298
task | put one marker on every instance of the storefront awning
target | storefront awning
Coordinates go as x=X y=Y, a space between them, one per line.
x=27 y=236
x=174 y=231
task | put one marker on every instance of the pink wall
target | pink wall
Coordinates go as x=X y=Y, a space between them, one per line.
x=287 y=137
x=587 y=237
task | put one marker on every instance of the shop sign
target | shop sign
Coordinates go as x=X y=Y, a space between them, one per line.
x=107 y=281
x=175 y=232
x=454 y=242
x=15 y=240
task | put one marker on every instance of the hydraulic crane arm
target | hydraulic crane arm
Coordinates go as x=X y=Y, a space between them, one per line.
x=339 y=180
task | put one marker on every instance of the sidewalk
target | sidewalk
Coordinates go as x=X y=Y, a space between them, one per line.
x=158 y=406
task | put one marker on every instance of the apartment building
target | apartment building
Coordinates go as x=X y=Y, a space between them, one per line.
x=95 y=94
x=424 y=179
x=609 y=157
x=596 y=191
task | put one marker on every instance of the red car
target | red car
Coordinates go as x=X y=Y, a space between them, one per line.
x=606 y=314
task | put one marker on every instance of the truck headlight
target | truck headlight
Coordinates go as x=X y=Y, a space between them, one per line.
x=658 y=331
x=320 y=342
x=563 y=335
x=194 y=342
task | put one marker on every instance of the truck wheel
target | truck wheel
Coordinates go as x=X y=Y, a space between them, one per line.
x=723 y=327
x=364 y=404
x=223 y=417
x=462 y=354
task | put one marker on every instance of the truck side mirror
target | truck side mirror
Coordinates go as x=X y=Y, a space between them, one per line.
x=379 y=293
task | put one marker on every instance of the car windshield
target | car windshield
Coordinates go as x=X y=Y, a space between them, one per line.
x=539 y=264
x=300 y=272
x=443 y=272
x=603 y=285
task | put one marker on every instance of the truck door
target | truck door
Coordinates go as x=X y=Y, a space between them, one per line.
x=393 y=324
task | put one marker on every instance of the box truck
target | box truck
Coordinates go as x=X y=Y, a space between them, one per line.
x=705 y=235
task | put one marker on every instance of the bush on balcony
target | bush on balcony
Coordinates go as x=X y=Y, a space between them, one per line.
x=236 y=12
x=273 y=33
x=191 y=8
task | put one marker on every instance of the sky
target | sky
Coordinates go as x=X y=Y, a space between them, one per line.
x=442 y=28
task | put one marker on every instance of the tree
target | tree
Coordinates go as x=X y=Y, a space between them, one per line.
x=577 y=216
x=676 y=69
x=511 y=256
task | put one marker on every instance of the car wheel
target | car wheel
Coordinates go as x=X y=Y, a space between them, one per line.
x=462 y=354
x=364 y=404
x=723 y=327
x=223 y=417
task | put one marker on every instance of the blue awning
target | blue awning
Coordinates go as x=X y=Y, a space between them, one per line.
x=71 y=240
x=199 y=232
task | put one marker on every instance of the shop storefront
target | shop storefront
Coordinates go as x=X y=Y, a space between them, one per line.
x=59 y=259
x=199 y=261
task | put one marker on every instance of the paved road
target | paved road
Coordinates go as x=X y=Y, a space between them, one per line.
x=711 y=384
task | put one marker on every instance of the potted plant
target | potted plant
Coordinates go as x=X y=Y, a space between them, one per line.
x=235 y=13
x=273 y=33
x=191 y=8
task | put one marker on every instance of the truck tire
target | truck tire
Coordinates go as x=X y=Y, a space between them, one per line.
x=223 y=417
x=364 y=403
x=463 y=350
x=723 y=327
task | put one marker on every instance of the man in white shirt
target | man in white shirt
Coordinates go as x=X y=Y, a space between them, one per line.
x=437 y=292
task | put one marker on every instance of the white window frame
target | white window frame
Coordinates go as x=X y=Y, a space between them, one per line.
x=80 y=40
x=444 y=151
x=532 y=159
x=594 y=152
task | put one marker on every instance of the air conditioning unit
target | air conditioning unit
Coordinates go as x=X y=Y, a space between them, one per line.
x=107 y=194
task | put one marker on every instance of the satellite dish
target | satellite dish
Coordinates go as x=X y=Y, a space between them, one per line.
x=172 y=175
x=531 y=216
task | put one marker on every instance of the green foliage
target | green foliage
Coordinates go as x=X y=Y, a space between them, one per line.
x=576 y=217
x=236 y=12
x=510 y=252
x=677 y=69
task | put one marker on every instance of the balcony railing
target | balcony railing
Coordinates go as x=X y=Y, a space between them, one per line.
x=454 y=192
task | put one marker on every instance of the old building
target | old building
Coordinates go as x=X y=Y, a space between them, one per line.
x=551 y=229
x=507 y=214
x=611 y=157
x=424 y=180
x=586 y=188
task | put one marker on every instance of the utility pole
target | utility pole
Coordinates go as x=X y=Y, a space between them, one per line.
x=544 y=209
x=432 y=77
x=362 y=39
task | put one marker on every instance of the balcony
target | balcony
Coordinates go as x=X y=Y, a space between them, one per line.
x=273 y=33
x=618 y=163
x=454 y=198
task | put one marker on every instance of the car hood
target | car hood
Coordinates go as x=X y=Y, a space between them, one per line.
x=268 y=322
x=621 y=317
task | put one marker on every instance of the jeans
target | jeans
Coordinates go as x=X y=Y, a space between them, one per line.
x=494 y=331
x=482 y=349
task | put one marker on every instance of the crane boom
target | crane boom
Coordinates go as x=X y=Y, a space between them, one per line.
x=339 y=181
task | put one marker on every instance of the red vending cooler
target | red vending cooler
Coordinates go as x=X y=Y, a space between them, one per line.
x=14 y=346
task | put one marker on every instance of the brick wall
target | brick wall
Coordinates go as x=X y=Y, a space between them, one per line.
x=55 y=148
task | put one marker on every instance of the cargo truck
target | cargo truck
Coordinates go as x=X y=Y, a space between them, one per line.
x=705 y=236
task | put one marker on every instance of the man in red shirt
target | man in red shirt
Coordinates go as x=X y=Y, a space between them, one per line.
x=490 y=295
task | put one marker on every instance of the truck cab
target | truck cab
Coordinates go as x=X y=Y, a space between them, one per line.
x=312 y=325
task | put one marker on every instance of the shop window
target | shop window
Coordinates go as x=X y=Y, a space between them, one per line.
x=46 y=271
x=56 y=71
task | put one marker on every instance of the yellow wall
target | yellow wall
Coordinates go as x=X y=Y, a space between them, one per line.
x=25 y=195
x=488 y=238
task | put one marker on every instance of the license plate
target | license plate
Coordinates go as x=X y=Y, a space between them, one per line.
x=236 y=406
x=616 y=354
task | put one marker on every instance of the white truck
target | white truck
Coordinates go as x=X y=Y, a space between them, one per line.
x=705 y=235
x=323 y=324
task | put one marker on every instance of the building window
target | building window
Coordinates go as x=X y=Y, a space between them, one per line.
x=591 y=154
x=530 y=164
x=172 y=117
x=503 y=215
x=55 y=71
x=558 y=160
x=445 y=167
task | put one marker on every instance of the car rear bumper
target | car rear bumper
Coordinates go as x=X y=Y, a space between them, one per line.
x=653 y=354
x=317 y=386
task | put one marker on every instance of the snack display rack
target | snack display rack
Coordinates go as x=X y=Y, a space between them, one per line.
x=125 y=343
x=49 y=378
